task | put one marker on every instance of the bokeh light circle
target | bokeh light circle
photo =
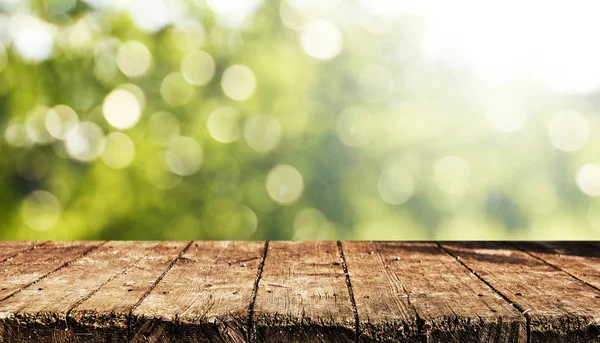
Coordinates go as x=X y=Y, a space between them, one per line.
x=285 y=184
x=354 y=127
x=86 y=143
x=163 y=127
x=119 y=150
x=238 y=82
x=452 y=174
x=568 y=131
x=223 y=125
x=176 y=90
x=134 y=58
x=184 y=156
x=61 y=120
x=262 y=133
x=198 y=67
x=321 y=39
x=588 y=179
x=40 y=210
x=395 y=185
x=122 y=109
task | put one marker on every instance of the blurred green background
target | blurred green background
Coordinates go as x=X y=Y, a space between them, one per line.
x=298 y=119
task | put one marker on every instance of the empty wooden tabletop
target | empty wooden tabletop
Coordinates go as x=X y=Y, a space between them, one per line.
x=224 y=291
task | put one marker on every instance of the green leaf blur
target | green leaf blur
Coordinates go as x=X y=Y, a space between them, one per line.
x=192 y=120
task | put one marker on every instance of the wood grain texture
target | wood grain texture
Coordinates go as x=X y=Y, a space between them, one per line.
x=302 y=295
x=33 y=264
x=104 y=316
x=384 y=310
x=10 y=249
x=42 y=309
x=452 y=305
x=580 y=259
x=204 y=298
x=559 y=307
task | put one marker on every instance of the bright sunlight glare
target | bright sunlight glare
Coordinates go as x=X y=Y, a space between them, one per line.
x=552 y=43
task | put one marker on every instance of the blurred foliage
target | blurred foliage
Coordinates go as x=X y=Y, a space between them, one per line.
x=374 y=141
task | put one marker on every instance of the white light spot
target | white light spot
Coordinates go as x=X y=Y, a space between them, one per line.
x=262 y=133
x=248 y=222
x=184 y=156
x=354 y=127
x=395 y=185
x=308 y=224
x=32 y=37
x=568 y=131
x=198 y=67
x=35 y=125
x=16 y=135
x=154 y=15
x=86 y=143
x=391 y=8
x=500 y=43
x=285 y=184
x=321 y=39
x=313 y=8
x=121 y=109
x=119 y=150
x=61 y=120
x=40 y=210
x=163 y=127
x=188 y=34
x=223 y=125
x=233 y=13
x=452 y=174
x=290 y=17
x=588 y=179
x=506 y=112
x=134 y=58
x=105 y=61
x=176 y=90
x=238 y=82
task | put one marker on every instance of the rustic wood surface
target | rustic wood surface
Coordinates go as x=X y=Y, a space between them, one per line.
x=299 y=292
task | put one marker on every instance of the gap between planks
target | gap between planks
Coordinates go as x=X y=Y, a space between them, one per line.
x=464 y=265
x=344 y=266
x=158 y=280
x=553 y=265
x=64 y=265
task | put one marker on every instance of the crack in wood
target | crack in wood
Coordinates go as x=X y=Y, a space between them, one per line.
x=154 y=284
x=34 y=246
x=552 y=265
x=250 y=331
x=523 y=312
x=64 y=265
x=350 y=291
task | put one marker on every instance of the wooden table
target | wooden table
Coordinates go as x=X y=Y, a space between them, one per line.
x=299 y=292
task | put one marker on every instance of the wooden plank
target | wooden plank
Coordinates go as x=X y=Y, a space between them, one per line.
x=581 y=260
x=41 y=310
x=33 y=264
x=302 y=295
x=384 y=310
x=559 y=308
x=9 y=249
x=391 y=280
x=104 y=317
x=204 y=297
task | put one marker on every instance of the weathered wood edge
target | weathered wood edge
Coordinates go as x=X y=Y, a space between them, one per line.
x=250 y=308
x=545 y=331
